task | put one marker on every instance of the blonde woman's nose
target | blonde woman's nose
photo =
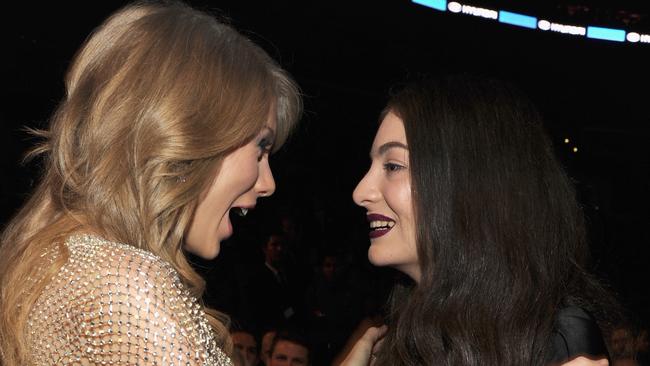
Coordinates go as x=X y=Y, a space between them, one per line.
x=265 y=185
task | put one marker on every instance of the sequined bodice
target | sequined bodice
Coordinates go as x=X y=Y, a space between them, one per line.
x=113 y=304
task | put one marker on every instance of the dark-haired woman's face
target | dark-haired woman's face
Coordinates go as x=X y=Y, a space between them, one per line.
x=385 y=192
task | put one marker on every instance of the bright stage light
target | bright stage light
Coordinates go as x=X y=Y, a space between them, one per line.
x=636 y=37
x=544 y=25
x=633 y=37
x=528 y=21
x=434 y=4
x=480 y=12
x=607 y=34
x=519 y=20
x=454 y=7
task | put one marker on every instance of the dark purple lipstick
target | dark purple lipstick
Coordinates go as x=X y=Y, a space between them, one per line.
x=379 y=225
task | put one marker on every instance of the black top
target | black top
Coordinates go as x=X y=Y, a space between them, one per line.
x=576 y=334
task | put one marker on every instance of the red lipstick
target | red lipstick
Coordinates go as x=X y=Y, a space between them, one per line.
x=381 y=226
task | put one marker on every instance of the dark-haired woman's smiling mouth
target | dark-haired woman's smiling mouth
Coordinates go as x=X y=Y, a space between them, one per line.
x=379 y=225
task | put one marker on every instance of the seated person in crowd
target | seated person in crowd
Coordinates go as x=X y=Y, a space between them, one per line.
x=289 y=349
x=270 y=297
x=267 y=342
x=245 y=346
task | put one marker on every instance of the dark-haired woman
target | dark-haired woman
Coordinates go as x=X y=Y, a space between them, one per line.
x=465 y=197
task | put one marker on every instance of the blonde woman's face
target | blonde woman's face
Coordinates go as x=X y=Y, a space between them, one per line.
x=244 y=176
x=385 y=191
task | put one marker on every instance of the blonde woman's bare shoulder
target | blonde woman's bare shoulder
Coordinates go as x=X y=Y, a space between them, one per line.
x=129 y=305
x=114 y=263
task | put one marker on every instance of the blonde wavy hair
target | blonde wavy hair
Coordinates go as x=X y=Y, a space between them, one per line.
x=160 y=93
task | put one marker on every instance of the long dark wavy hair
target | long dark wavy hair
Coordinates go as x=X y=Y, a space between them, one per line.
x=501 y=238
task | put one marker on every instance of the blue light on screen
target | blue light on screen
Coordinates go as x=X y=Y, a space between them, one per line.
x=435 y=4
x=519 y=20
x=608 y=34
x=531 y=22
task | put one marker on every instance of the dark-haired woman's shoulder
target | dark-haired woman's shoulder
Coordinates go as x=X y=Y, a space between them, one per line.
x=576 y=333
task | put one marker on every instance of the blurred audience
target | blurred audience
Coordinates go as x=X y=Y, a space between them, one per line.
x=629 y=346
x=289 y=348
x=271 y=297
x=265 y=351
x=332 y=308
x=245 y=346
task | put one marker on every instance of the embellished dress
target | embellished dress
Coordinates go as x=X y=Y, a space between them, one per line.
x=114 y=304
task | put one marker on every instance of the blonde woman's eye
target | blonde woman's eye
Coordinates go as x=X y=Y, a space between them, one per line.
x=264 y=147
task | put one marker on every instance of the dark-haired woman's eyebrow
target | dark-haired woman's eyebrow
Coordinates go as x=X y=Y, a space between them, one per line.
x=381 y=150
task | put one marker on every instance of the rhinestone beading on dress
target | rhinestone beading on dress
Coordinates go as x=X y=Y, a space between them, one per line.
x=114 y=304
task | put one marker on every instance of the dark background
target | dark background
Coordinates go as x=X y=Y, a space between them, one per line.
x=345 y=56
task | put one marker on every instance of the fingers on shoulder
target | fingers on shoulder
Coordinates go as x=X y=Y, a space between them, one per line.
x=584 y=361
x=373 y=334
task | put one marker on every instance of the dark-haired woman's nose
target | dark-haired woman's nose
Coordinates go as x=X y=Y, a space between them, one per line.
x=366 y=191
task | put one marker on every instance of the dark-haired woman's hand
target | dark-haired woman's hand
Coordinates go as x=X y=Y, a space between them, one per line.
x=363 y=352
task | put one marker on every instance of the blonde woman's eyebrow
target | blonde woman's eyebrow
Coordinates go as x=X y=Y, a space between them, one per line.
x=271 y=132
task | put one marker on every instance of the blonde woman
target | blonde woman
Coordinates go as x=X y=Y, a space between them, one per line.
x=166 y=126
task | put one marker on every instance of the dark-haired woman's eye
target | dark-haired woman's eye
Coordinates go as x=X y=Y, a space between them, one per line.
x=392 y=167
